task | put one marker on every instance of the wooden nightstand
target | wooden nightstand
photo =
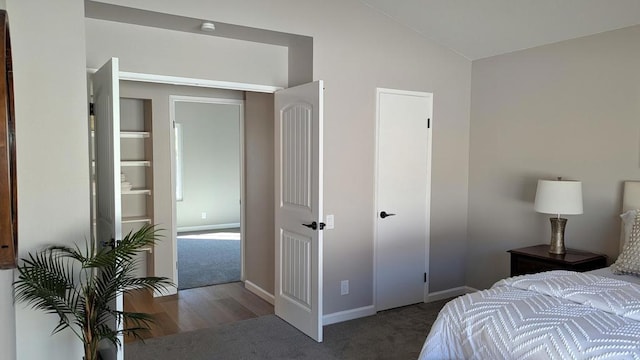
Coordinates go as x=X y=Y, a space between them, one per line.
x=534 y=259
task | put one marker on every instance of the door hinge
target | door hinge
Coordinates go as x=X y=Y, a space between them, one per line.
x=425 y=277
x=91 y=109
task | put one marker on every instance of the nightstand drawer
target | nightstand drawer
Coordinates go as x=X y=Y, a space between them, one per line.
x=531 y=266
x=537 y=258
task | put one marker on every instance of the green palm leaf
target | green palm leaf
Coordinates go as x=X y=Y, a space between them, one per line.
x=79 y=285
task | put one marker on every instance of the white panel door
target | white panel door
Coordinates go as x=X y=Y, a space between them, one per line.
x=106 y=98
x=402 y=197
x=298 y=212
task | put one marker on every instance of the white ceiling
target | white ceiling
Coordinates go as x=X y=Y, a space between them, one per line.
x=481 y=28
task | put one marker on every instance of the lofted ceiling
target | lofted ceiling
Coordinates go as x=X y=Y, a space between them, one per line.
x=478 y=29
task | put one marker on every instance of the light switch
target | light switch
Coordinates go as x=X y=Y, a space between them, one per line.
x=330 y=224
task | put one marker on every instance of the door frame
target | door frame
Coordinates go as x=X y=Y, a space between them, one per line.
x=194 y=82
x=173 y=99
x=429 y=138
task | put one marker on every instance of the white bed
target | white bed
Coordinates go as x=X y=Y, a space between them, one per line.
x=551 y=315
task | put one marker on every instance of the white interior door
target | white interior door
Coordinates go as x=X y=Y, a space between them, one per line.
x=106 y=97
x=298 y=207
x=402 y=197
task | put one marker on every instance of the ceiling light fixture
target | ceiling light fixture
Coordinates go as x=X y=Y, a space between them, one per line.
x=207 y=26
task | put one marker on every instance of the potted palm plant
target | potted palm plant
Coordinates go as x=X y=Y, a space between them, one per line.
x=80 y=286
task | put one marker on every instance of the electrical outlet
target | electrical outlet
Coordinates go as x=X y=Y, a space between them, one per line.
x=344 y=287
x=204 y=215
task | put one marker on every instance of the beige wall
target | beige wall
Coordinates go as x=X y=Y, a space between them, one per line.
x=154 y=51
x=259 y=195
x=356 y=50
x=570 y=109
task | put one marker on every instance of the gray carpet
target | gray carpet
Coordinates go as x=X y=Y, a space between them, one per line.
x=389 y=335
x=207 y=262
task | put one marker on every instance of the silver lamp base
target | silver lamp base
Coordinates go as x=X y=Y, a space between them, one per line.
x=557 y=236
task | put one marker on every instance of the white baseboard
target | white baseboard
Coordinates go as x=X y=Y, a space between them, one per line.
x=260 y=292
x=346 y=315
x=369 y=310
x=445 y=294
x=207 y=227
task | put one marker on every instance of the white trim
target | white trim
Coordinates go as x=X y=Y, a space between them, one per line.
x=243 y=195
x=347 y=315
x=453 y=292
x=260 y=292
x=427 y=222
x=208 y=227
x=186 y=81
x=178 y=148
x=173 y=99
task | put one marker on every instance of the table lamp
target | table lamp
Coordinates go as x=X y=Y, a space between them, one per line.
x=559 y=197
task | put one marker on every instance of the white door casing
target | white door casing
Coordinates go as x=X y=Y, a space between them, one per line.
x=298 y=201
x=403 y=162
x=106 y=95
x=173 y=100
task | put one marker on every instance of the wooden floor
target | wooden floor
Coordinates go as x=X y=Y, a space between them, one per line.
x=197 y=308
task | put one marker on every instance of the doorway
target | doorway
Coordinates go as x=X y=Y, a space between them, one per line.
x=403 y=175
x=208 y=143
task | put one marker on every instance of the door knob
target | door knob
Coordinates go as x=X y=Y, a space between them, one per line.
x=384 y=214
x=314 y=225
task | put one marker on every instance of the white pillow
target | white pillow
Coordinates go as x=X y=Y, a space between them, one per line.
x=629 y=260
x=628 y=219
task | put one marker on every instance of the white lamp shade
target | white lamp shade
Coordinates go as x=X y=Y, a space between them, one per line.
x=559 y=197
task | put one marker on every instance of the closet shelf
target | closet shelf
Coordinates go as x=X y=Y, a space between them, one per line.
x=136 y=219
x=136 y=192
x=125 y=163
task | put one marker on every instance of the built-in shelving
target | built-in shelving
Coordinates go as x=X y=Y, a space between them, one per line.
x=134 y=134
x=136 y=168
x=136 y=192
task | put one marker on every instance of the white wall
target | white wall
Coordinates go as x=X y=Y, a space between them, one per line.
x=52 y=144
x=356 y=50
x=569 y=109
x=211 y=164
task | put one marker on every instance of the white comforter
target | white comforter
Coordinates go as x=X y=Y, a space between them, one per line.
x=551 y=315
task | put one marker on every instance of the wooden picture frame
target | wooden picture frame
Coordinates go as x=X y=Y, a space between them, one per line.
x=8 y=183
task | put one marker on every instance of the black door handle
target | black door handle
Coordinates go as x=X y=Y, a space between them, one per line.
x=112 y=243
x=384 y=214
x=314 y=225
